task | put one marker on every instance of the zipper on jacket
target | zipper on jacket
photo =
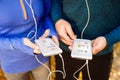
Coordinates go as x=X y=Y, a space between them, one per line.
x=24 y=10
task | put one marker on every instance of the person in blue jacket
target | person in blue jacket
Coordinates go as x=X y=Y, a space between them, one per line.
x=96 y=20
x=21 y=22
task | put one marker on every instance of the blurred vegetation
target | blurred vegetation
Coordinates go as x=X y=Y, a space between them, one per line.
x=115 y=72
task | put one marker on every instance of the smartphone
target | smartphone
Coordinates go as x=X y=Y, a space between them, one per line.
x=48 y=47
x=82 y=49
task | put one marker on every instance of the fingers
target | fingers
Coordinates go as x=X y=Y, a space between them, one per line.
x=28 y=43
x=55 y=39
x=46 y=33
x=66 y=39
x=36 y=50
x=65 y=31
x=70 y=33
x=95 y=49
x=98 y=44
x=70 y=47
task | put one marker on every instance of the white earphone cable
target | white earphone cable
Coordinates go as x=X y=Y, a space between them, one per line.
x=86 y=25
x=34 y=36
x=33 y=15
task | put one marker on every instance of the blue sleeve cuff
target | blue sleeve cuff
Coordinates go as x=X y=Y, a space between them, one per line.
x=15 y=44
x=49 y=25
x=19 y=45
x=113 y=36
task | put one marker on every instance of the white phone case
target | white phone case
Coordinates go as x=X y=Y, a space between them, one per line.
x=48 y=47
x=82 y=49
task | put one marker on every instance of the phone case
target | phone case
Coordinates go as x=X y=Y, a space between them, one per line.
x=82 y=49
x=48 y=47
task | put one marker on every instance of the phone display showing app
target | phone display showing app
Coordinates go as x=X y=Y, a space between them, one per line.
x=48 y=47
x=82 y=49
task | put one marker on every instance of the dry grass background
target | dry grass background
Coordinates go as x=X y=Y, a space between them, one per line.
x=115 y=72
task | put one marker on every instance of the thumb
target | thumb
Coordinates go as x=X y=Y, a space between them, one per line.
x=27 y=42
x=46 y=33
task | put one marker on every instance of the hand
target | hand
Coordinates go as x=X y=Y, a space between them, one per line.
x=55 y=39
x=98 y=44
x=35 y=48
x=65 y=32
x=32 y=45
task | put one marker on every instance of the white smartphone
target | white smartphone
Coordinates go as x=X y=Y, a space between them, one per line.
x=48 y=47
x=82 y=49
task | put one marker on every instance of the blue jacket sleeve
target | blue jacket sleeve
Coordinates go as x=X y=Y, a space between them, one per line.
x=56 y=10
x=15 y=44
x=113 y=36
x=48 y=24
